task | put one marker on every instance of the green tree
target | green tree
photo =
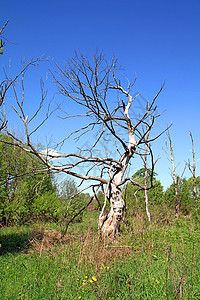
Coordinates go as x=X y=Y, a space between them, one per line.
x=19 y=185
x=70 y=205
x=191 y=186
x=185 y=189
x=134 y=196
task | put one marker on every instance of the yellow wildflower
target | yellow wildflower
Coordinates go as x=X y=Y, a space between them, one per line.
x=108 y=268
x=86 y=277
x=153 y=278
x=94 y=278
x=79 y=297
x=91 y=281
x=84 y=283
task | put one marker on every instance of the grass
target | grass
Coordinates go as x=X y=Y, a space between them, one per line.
x=151 y=261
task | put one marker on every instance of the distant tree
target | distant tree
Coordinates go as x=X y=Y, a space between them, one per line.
x=67 y=188
x=135 y=198
x=185 y=191
x=192 y=168
x=191 y=185
x=191 y=204
x=177 y=180
x=71 y=201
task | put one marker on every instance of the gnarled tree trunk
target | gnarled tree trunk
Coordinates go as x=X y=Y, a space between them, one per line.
x=109 y=225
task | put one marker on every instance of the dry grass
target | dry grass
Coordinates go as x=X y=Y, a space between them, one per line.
x=43 y=239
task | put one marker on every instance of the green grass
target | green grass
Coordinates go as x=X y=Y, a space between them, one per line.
x=150 y=261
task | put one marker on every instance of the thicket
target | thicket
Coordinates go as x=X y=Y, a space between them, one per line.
x=26 y=193
x=160 y=200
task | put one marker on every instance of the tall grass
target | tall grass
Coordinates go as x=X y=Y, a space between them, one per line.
x=149 y=261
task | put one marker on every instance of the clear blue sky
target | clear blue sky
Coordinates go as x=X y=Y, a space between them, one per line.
x=157 y=40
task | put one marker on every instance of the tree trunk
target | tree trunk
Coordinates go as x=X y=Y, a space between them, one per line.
x=109 y=225
x=174 y=177
x=145 y=182
x=147 y=205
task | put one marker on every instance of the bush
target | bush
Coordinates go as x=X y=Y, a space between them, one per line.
x=48 y=204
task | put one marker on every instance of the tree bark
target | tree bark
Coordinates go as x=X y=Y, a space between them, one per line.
x=146 y=178
x=146 y=197
x=109 y=225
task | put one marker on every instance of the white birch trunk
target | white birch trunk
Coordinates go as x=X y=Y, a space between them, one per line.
x=175 y=179
x=109 y=225
x=145 y=182
x=146 y=197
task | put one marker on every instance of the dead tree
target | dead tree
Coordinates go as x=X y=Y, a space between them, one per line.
x=145 y=163
x=94 y=86
x=174 y=176
x=192 y=168
x=146 y=173
x=176 y=179
x=146 y=177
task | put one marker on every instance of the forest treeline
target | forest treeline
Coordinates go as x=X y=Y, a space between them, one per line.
x=27 y=193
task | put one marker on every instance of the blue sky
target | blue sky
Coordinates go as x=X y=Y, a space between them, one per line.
x=157 y=40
